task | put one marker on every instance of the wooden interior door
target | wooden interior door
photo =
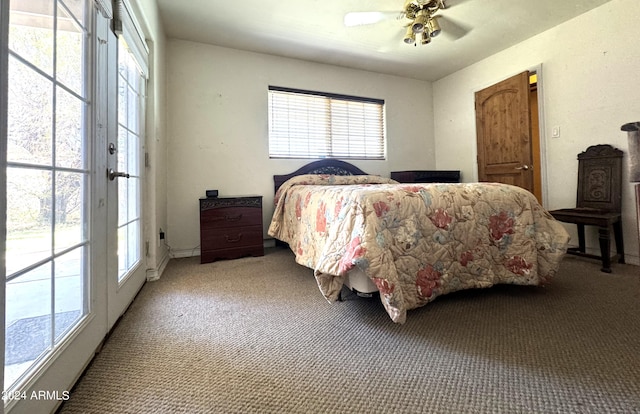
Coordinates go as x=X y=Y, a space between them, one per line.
x=503 y=125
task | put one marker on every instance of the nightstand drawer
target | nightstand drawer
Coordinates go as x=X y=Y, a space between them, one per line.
x=232 y=237
x=207 y=256
x=218 y=218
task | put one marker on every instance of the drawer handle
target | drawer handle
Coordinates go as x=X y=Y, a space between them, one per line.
x=229 y=218
x=230 y=240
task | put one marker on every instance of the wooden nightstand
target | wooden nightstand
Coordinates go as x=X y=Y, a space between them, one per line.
x=230 y=227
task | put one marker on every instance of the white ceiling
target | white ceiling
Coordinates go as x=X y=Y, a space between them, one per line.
x=314 y=30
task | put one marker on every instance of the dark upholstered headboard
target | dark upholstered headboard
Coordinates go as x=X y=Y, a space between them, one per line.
x=329 y=166
x=426 y=176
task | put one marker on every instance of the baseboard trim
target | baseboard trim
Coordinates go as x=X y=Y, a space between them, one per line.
x=155 y=274
x=629 y=259
x=182 y=253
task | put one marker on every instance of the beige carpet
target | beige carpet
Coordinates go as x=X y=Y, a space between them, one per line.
x=255 y=336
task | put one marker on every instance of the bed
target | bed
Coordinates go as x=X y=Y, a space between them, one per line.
x=412 y=242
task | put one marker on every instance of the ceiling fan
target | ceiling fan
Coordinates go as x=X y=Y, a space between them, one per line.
x=421 y=18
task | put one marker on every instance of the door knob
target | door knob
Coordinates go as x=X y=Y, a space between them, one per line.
x=524 y=167
x=115 y=174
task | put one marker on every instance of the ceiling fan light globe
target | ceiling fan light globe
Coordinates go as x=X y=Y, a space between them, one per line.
x=426 y=39
x=420 y=22
x=409 y=37
x=433 y=27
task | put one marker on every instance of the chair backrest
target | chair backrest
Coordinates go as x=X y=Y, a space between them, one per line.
x=600 y=178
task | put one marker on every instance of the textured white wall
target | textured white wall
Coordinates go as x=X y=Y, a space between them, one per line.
x=590 y=77
x=218 y=126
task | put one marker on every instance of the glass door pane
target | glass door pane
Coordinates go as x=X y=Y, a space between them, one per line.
x=130 y=98
x=48 y=180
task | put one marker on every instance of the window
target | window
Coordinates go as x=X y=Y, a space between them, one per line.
x=131 y=86
x=305 y=124
x=133 y=71
x=48 y=180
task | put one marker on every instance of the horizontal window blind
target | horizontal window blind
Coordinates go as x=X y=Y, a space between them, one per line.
x=304 y=124
x=126 y=25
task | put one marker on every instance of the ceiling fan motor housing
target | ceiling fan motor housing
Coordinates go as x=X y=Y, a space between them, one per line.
x=412 y=8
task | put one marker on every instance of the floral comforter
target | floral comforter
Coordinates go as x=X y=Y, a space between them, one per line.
x=416 y=241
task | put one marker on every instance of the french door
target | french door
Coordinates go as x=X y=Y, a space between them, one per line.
x=74 y=257
x=125 y=168
x=55 y=313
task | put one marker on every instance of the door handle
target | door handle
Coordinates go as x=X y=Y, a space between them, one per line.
x=524 y=167
x=115 y=174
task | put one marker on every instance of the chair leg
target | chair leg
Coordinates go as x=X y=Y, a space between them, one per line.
x=605 y=248
x=581 y=242
x=617 y=234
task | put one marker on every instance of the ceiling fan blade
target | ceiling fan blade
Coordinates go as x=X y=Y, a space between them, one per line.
x=451 y=29
x=453 y=3
x=393 y=43
x=362 y=18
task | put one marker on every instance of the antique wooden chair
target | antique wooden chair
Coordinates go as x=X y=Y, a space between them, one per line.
x=598 y=202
